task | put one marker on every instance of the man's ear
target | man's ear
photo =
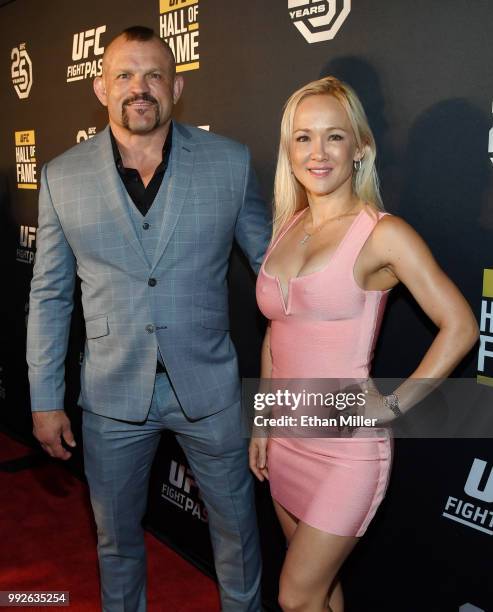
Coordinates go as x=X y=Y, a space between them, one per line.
x=100 y=90
x=177 y=88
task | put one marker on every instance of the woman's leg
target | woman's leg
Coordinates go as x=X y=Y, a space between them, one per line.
x=287 y=520
x=309 y=576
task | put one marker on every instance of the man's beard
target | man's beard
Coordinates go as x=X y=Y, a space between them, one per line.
x=145 y=97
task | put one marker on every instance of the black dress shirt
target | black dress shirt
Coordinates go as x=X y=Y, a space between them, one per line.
x=142 y=196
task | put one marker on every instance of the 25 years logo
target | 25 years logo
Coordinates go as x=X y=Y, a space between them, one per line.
x=318 y=20
x=85 y=134
x=22 y=71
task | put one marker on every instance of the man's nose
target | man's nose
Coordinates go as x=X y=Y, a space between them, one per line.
x=140 y=84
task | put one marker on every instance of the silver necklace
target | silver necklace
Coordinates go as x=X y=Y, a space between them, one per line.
x=307 y=235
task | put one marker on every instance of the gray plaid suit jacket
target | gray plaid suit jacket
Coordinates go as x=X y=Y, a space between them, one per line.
x=211 y=198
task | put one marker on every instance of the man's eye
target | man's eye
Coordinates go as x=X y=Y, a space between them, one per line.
x=123 y=75
x=155 y=75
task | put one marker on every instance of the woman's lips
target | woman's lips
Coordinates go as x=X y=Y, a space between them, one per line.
x=320 y=172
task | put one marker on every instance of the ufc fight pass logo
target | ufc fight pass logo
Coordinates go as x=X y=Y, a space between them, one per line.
x=87 y=53
x=318 y=20
x=476 y=510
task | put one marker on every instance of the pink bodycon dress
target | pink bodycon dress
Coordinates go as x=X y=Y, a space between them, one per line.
x=327 y=328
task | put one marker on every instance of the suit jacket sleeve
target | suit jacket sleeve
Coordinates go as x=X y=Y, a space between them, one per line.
x=254 y=225
x=50 y=307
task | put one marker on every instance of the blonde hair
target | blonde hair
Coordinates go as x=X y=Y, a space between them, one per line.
x=289 y=194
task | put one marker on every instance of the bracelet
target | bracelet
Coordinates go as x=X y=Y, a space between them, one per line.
x=391 y=402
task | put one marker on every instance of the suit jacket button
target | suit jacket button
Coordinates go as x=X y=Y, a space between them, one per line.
x=145 y=226
x=150 y=328
x=152 y=282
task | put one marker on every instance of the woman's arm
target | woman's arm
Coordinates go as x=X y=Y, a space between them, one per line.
x=258 y=444
x=403 y=256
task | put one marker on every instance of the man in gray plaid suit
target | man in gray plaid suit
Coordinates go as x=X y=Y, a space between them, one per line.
x=145 y=213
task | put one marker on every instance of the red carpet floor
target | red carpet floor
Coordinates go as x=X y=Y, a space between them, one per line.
x=48 y=542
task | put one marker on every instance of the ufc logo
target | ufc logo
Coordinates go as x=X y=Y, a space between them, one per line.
x=25 y=138
x=83 y=41
x=476 y=474
x=181 y=477
x=27 y=236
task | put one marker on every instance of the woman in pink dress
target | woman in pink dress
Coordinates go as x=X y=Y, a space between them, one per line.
x=333 y=258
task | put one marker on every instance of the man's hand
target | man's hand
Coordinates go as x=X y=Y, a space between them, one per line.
x=258 y=457
x=49 y=429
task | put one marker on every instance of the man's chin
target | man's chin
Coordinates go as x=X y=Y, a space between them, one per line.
x=141 y=128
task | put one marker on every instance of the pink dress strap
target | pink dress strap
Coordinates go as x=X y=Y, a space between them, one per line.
x=357 y=236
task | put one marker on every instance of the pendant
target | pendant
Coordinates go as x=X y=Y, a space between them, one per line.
x=305 y=239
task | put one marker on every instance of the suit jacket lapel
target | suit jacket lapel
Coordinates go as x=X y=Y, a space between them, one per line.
x=113 y=190
x=177 y=181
